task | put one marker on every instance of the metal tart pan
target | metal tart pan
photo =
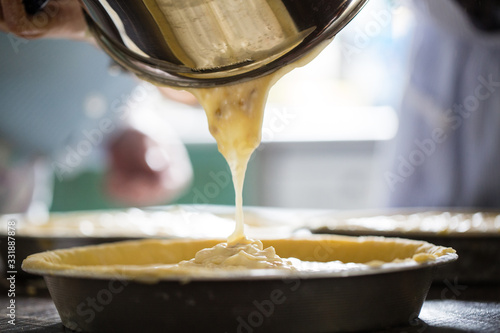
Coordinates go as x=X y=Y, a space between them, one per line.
x=312 y=302
x=479 y=251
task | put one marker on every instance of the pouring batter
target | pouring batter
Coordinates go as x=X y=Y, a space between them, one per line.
x=235 y=115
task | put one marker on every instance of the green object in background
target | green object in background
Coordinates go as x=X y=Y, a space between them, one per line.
x=83 y=192
x=212 y=184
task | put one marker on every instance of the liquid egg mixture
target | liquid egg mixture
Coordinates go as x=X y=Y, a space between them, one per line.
x=235 y=114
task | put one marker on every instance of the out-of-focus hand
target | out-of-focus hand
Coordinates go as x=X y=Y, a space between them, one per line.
x=58 y=19
x=146 y=171
x=180 y=96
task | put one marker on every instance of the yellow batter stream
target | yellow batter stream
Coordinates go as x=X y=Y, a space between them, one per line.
x=235 y=116
x=235 y=113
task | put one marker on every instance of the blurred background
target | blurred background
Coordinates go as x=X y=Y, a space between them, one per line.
x=328 y=128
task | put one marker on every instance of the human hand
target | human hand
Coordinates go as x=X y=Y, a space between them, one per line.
x=146 y=171
x=58 y=19
x=177 y=95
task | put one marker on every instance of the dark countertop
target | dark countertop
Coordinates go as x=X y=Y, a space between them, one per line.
x=450 y=307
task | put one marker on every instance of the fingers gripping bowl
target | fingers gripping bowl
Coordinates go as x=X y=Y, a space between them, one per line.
x=338 y=283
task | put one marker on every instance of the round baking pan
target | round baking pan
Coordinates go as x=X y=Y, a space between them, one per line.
x=479 y=250
x=479 y=256
x=368 y=300
x=27 y=245
x=81 y=228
